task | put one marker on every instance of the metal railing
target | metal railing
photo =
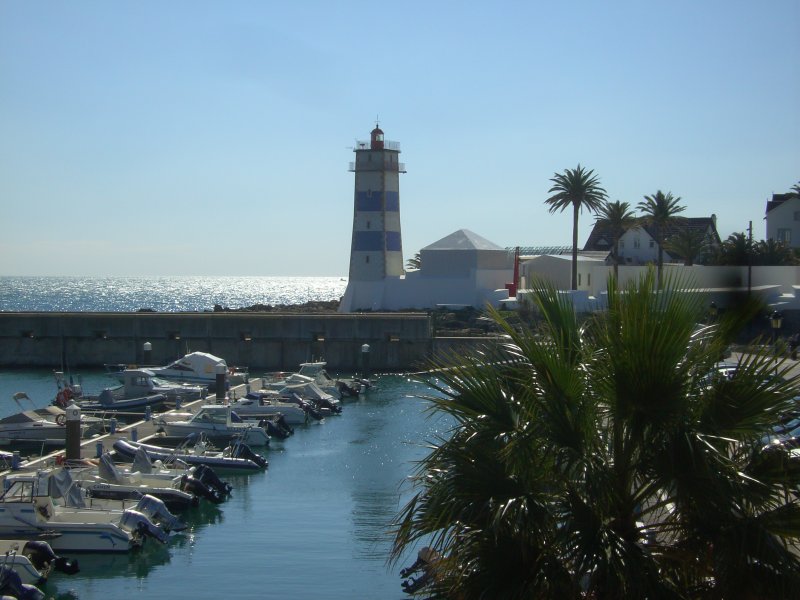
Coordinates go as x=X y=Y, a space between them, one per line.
x=393 y=167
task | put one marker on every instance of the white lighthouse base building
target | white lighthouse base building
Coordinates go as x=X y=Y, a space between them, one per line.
x=462 y=269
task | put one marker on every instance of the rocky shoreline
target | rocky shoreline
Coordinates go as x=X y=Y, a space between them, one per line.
x=314 y=307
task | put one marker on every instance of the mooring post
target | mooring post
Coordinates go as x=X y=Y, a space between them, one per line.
x=365 y=360
x=73 y=433
x=221 y=371
x=148 y=353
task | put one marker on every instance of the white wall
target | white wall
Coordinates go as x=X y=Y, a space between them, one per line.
x=783 y=217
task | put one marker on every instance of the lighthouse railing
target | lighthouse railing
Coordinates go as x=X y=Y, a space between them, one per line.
x=387 y=145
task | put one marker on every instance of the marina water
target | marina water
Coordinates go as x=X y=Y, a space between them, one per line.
x=314 y=525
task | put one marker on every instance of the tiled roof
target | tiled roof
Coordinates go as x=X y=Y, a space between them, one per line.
x=778 y=199
x=601 y=239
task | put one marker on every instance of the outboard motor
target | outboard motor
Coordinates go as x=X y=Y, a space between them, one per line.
x=310 y=410
x=273 y=429
x=194 y=486
x=281 y=421
x=209 y=477
x=155 y=510
x=137 y=523
x=325 y=403
x=242 y=450
x=11 y=586
x=41 y=556
x=346 y=391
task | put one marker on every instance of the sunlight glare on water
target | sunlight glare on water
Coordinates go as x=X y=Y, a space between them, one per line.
x=163 y=294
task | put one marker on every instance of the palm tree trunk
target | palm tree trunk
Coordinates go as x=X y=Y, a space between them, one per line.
x=574 y=246
x=615 y=259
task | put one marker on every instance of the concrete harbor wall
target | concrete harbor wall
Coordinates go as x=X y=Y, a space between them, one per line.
x=269 y=341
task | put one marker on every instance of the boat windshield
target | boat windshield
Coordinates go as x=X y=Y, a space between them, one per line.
x=19 y=491
x=217 y=416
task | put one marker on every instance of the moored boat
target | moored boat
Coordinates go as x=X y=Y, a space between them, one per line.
x=264 y=404
x=27 y=511
x=42 y=425
x=215 y=421
x=238 y=457
x=201 y=368
x=34 y=560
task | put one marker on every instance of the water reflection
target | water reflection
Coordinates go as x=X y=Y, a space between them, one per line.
x=109 y=565
x=391 y=433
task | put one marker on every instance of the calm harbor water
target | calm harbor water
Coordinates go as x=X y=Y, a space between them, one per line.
x=314 y=525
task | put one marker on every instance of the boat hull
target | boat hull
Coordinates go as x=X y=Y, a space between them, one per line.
x=128 y=449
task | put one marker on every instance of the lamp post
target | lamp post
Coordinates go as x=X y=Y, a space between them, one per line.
x=775 y=320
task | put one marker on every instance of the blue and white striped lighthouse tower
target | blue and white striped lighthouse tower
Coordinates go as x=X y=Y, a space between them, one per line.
x=376 y=250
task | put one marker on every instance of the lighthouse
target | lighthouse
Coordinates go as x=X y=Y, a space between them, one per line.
x=376 y=250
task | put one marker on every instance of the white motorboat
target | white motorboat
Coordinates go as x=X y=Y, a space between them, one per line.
x=27 y=510
x=140 y=388
x=105 y=480
x=265 y=404
x=217 y=422
x=34 y=560
x=310 y=392
x=200 y=367
x=315 y=372
x=42 y=425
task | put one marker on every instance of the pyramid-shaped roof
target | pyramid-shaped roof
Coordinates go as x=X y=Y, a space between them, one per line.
x=463 y=239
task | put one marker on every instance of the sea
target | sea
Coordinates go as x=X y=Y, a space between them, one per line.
x=315 y=524
x=162 y=294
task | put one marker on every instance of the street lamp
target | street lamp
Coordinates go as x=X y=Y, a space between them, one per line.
x=775 y=320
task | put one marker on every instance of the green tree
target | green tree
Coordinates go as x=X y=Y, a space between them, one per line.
x=660 y=212
x=688 y=244
x=616 y=218
x=414 y=262
x=737 y=249
x=607 y=458
x=773 y=253
x=579 y=189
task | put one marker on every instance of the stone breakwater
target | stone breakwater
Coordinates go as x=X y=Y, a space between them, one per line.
x=330 y=306
x=267 y=340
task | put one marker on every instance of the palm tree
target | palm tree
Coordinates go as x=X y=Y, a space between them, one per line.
x=688 y=244
x=606 y=459
x=616 y=218
x=736 y=250
x=796 y=189
x=579 y=189
x=660 y=212
x=773 y=253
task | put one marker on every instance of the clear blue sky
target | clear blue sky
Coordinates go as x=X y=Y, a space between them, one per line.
x=212 y=138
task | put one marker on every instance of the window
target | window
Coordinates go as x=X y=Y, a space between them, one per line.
x=636 y=243
x=622 y=244
x=797 y=215
x=366 y=259
x=589 y=279
x=652 y=243
x=369 y=224
x=579 y=278
x=785 y=236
